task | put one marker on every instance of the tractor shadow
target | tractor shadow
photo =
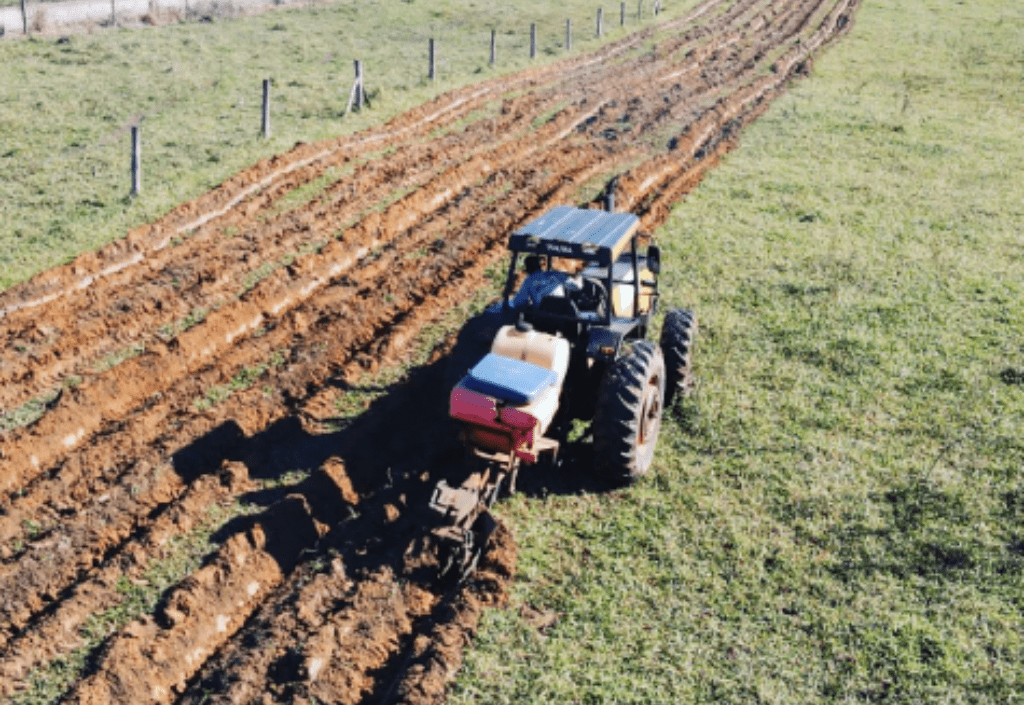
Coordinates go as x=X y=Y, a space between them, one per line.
x=375 y=510
x=392 y=455
x=372 y=510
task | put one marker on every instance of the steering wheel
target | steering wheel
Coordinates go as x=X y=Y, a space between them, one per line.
x=592 y=297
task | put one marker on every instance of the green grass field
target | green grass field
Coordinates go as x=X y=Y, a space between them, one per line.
x=836 y=514
x=195 y=88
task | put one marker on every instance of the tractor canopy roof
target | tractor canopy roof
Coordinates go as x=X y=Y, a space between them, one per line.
x=575 y=233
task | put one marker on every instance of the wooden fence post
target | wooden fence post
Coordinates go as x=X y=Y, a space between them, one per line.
x=533 y=40
x=622 y=14
x=600 y=21
x=356 y=94
x=494 y=47
x=568 y=35
x=431 y=71
x=24 y=18
x=266 y=108
x=639 y=10
x=136 y=161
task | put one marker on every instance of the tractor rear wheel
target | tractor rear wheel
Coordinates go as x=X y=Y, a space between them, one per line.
x=677 y=336
x=628 y=414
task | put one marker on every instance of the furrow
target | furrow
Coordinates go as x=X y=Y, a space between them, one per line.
x=154 y=656
x=59 y=632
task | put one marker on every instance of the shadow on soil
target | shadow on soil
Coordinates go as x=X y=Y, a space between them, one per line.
x=393 y=455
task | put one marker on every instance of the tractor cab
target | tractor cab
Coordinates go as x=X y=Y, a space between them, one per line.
x=584 y=277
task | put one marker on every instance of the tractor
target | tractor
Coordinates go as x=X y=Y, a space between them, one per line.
x=567 y=341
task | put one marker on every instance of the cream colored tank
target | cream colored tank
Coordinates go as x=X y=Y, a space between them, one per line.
x=541 y=349
x=623 y=291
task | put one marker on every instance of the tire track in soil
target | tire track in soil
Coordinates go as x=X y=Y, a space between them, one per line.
x=410 y=656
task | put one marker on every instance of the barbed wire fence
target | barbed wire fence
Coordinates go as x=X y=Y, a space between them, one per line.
x=358 y=96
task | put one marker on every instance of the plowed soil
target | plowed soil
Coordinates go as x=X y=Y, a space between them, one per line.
x=324 y=591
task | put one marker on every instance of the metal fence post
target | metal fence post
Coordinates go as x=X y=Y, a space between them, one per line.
x=136 y=161
x=359 y=85
x=266 y=108
x=533 y=40
x=431 y=71
x=568 y=35
x=494 y=47
x=600 y=21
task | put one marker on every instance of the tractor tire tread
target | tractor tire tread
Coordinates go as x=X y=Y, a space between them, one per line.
x=678 y=334
x=617 y=418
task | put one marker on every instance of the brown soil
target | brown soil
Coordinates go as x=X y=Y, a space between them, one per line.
x=325 y=594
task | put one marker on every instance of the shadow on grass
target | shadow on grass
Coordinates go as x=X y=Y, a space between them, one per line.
x=929 y=533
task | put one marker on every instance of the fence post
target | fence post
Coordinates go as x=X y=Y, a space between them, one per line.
x=622 y=14
x=24 y=19
x=533 y=40
x=431 y=73
x=356 y=94
x=568 y=35
x=600 y=20
x=113 y=14
x=494 y=47
x=657 y=7
x=639 y=10
x=266 y=108
x=359 y=85
x=136 y=161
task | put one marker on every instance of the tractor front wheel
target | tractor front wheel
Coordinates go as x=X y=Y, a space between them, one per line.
x=677 y=334
x=628 y=414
